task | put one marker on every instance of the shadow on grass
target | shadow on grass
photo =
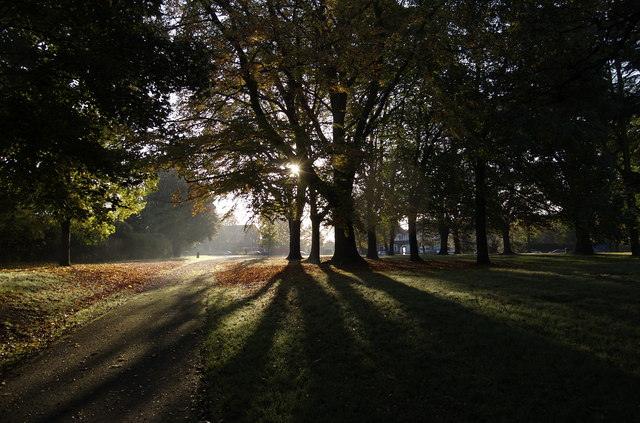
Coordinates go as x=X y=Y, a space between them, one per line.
x=361 y=346
x=130 y=364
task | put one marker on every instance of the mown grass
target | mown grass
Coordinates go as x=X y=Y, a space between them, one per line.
x=39 y=303
x=532 y=338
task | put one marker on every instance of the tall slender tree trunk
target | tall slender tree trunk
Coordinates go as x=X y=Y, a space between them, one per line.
x=413 y=236
x=630 y=197
x=584 y=246
x=444 y=239
x=295 y=220
x=65 y=243
x=372 y=244
x=176 y=248
x=314 y=254
x=630 y=201
x=506 y=241
x=391 y=250
x=457 y=245
x=294 y=240
x=316 y=219
x=634 y=234
x=482 y=246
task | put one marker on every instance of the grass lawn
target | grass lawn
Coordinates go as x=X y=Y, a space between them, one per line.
x=539 y=337
x=38 y=303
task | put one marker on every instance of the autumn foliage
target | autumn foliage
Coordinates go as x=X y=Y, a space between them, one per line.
x=37 y=303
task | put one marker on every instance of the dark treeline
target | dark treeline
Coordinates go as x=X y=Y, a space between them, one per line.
x=468 y=119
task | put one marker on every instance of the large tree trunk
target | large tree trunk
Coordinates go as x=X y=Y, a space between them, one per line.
x=457 y=245
x=372 y=244
x=584 y=246
x=65 y=243
x=413 y=237
x=482 y=246
x=346 y=251
x=294 y=240
x=444 y=240
x=506 y=241
x=391 y=250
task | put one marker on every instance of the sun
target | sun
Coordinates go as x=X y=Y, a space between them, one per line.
x=294 y=169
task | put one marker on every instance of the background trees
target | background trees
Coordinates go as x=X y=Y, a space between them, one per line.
x=171 y=213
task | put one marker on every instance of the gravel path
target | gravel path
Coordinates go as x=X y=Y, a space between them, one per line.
x=139 y=362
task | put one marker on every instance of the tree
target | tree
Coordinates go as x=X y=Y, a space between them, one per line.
x=273 y=233
x=317 y=213
x=312 y=76
x=78 y=81
x=173 y=212
x=370 y=195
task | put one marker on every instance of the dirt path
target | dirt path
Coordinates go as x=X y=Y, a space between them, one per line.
x=139 y=362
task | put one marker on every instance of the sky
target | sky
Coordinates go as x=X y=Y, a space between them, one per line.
x=241 y=215
x=240 y=211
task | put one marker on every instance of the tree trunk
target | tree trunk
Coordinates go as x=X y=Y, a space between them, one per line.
x=444 y=240
x=65 y=243
x=457 y=245
x=413 y=237
x=346 y=251
x=506 y=242
x=176 y=248
x=634 y=236
x=372 y=244
x=630 y=198
x=314 y=254
x=316 y=220
x=391 y=250
x=482 y=247
x=295 y=220
x=583 y=240
x=294 y=240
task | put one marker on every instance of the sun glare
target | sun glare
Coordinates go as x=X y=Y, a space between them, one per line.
x=294 y=169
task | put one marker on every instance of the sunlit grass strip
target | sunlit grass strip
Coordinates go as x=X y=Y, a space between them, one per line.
x=573 y=325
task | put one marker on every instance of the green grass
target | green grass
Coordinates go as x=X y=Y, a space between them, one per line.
x=35 y=309
x=39 y=303
x=533 y=338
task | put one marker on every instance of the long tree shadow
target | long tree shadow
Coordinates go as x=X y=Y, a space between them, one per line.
x=475 y=367
x=623 y=270
x=85 y=386
x=362 y=346
x=589 y=293
x=269 y=377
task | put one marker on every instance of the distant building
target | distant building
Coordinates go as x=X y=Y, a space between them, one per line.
x=425 y=244
x=231 y=239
